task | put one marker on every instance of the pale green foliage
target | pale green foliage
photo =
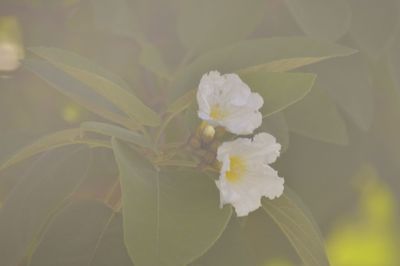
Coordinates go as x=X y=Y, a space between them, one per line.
x=317 y=117
x=197 y=23
x=170 y=216
x=50 y=142
x=279 y=90
x=299 y=227
x=34 y=207
x=347 y=83
x=114 y=91
x=274 y=54
x=118 y=132
x=100 y=224
x=323 y=19
x=277 y=126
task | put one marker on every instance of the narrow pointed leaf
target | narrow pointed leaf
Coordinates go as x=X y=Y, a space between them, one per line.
x=269 y=54
x=100 y=81
x=67 y=58
x=116 y=131
x=279 y=90
x=121 y=98
x=77 y=91
x=50 y=142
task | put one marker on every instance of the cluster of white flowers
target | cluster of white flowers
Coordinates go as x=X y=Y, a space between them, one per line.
x=245 y=174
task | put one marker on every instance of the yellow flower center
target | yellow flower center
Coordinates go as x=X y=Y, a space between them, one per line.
x=216 y=112
x=237 y=169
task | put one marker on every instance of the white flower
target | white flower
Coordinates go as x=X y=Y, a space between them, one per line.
x=225 y=100
x=9 y=56
x=245 y=174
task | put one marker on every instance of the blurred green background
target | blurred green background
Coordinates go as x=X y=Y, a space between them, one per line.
x=342 y=140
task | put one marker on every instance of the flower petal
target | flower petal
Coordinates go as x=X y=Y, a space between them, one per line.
x=225 y=100
x=255 y=179
x=270 y=147
x=243 y=122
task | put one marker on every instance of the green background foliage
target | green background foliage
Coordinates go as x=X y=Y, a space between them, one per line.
x=95 y=122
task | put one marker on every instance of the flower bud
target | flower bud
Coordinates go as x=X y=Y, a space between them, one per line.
x=208 y=134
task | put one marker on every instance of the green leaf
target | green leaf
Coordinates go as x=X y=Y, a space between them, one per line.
x=37 y=197
x=107 y=85
x=299 y=226
x=123 y=99
x=279 y=90
x=266 y=240
x=66 y=58
x=324 y=19
x=191 y=117
x=177 y=107
x=116 y=131
x=199 y=34
x=85 y=233
x=276 y=125
x=270 y=54
x=77 y=91
x=111 y=250
x=50 y=142
x=171 y=216
x=317 y=117
x=231 y=249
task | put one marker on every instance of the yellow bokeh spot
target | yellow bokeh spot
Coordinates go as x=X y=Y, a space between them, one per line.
x=71 y=113
x=237 y=169
x=370 y=237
